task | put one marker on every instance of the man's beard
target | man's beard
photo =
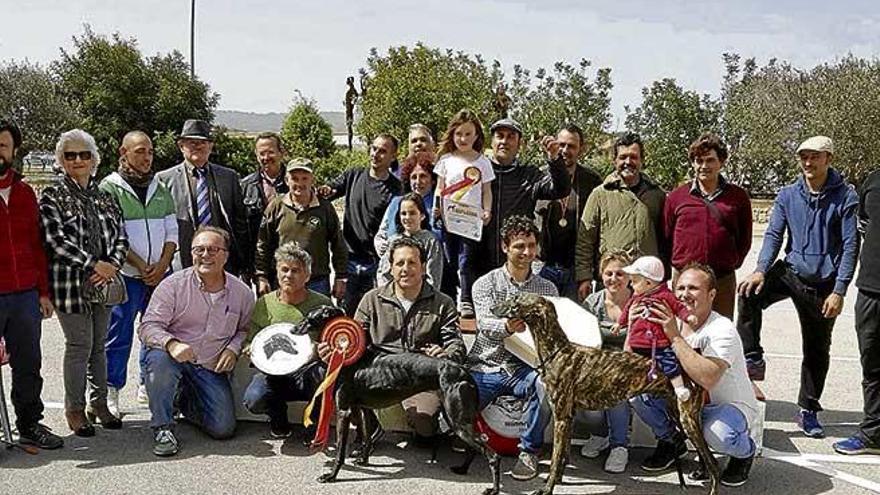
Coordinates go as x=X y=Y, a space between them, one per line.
x=4 y=166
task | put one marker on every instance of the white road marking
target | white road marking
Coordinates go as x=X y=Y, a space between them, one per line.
x=812 y=462
x=799 y=357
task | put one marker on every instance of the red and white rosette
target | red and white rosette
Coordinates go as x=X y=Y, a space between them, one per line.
x=348 y=341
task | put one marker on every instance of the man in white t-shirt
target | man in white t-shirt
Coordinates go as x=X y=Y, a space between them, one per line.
x=711 y=353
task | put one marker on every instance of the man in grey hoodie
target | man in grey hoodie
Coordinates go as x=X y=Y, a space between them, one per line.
x=819 y=212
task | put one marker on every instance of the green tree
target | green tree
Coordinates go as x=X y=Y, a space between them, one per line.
x=668 y=120
x=235 y=151
x=116 y=89
x=305 y=133
x=426 y=85
x=30 y=95
x=568 y=95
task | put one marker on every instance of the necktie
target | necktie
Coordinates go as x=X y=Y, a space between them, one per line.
x=203 y=203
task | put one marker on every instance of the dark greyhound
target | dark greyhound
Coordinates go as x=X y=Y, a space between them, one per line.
x=380 y=380
x=595 y=379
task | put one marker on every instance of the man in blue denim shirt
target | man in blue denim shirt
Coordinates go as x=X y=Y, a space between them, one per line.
x=819 y=213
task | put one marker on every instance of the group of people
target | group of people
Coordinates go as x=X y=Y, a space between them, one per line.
x=207 y=260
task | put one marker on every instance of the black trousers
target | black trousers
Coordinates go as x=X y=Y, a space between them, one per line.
x=868 y=331
x=780 y=283
x=268 y=394
x=20 y=325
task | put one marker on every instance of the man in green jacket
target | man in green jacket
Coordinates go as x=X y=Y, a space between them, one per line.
x=408 y=315
x=623 y=214
x=151 y=226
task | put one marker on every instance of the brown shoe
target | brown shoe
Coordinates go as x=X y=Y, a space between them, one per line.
x=100 y=414
x=79 y=424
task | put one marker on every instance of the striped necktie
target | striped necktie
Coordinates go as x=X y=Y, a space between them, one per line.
x=203 y=203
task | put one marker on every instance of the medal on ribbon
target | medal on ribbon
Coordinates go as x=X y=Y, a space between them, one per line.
x=348 y=341
x=472 y=176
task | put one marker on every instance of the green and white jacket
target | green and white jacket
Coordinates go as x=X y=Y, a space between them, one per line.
x=148 y=226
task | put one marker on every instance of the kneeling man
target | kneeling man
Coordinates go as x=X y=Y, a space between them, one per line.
x=194 y=327
x=711 y=354
x=495 y=370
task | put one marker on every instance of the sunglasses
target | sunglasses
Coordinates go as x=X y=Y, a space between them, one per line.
x=72 y=155
x=212 y=250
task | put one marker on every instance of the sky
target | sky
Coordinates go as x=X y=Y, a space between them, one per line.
x=257 y=53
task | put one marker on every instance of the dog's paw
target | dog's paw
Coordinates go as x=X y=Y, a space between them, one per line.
x=361 y=460
x=541 y=492
x=327 y=478
x=460 y=470
x=491 y=491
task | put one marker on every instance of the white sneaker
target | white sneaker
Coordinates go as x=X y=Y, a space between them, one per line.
x=617 y=460
x=142 y=397
x=113 y=401
x=594 y=446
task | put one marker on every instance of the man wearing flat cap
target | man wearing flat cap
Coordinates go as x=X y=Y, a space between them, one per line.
x=819 y=213
x=206 y=194
x=516 y=188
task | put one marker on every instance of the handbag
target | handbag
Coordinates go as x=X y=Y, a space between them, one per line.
x=108 y=294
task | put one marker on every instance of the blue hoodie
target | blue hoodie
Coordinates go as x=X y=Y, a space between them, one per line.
x=823 y=238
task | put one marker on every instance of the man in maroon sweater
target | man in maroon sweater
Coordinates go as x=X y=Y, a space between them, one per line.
x=710 y=220
x=24 y=292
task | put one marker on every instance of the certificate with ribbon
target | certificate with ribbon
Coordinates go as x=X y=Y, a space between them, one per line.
x=463 y=219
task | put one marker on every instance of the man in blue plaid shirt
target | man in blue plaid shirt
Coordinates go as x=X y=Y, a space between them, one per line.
x=495 y=370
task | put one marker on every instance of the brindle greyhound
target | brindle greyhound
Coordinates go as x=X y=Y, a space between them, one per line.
x=595 y=379
x=379 y=380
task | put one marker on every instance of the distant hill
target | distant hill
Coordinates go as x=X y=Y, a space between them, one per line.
x=260 y=122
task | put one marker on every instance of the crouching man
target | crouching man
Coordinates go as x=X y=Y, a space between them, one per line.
x=711 y=354
x=194 y=327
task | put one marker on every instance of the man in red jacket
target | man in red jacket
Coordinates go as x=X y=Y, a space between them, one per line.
x=24 y=292
x=709 y=221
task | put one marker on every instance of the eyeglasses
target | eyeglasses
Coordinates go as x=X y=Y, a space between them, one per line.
x=72 y=155
x=212 y=250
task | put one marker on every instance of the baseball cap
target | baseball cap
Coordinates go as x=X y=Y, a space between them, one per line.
x=649 y=267
x=300 y=164
x=817 y=143
x=508 y=123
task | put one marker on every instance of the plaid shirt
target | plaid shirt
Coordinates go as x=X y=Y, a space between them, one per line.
x=64 y=232
x=488 y=354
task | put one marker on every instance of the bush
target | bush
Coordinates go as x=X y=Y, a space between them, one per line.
x=305 y=133
x=327 y=169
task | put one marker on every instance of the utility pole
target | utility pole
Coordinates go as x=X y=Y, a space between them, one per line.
x=192 y=41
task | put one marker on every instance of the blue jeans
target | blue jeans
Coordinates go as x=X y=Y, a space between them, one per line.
x=522 y=384
x=121 y=330
x=724 y=426
x=20 y=324
x=617 y=419
x=563 y=278
x=205 y=397
x=361 y=278
x=459 y=252
x=268 y=394
x=320 y=285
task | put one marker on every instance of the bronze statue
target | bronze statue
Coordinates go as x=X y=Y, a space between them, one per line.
x=502 y=101
x=350 y=97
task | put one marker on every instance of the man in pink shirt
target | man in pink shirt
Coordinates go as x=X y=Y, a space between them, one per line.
x=194 y=327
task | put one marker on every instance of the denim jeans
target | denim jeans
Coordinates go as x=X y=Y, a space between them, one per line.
x=522 y=384
x=724 y=426
x=361 y=278
x=204 y=397
x=617 y=419
x=121 y=330
x=267 y=394
x=320 y=285
x=563 y=278
x=20 y=324
x=460 y=252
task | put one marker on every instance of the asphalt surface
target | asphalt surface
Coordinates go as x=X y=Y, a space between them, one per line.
x=122 y=462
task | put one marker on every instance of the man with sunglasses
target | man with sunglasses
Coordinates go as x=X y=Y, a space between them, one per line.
x=207 y=194
x=194 y=327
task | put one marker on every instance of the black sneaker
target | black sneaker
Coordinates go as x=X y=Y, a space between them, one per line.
x=279 y=429
x=41 y=436
x=165 y=443
x=757 y=368
x=699 y=474
x=737 y=471
x=666 y=452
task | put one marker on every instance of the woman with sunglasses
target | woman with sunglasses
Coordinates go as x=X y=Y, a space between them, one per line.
x=86 y=246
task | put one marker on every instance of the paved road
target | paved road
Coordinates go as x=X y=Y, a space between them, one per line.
x=121 y=462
